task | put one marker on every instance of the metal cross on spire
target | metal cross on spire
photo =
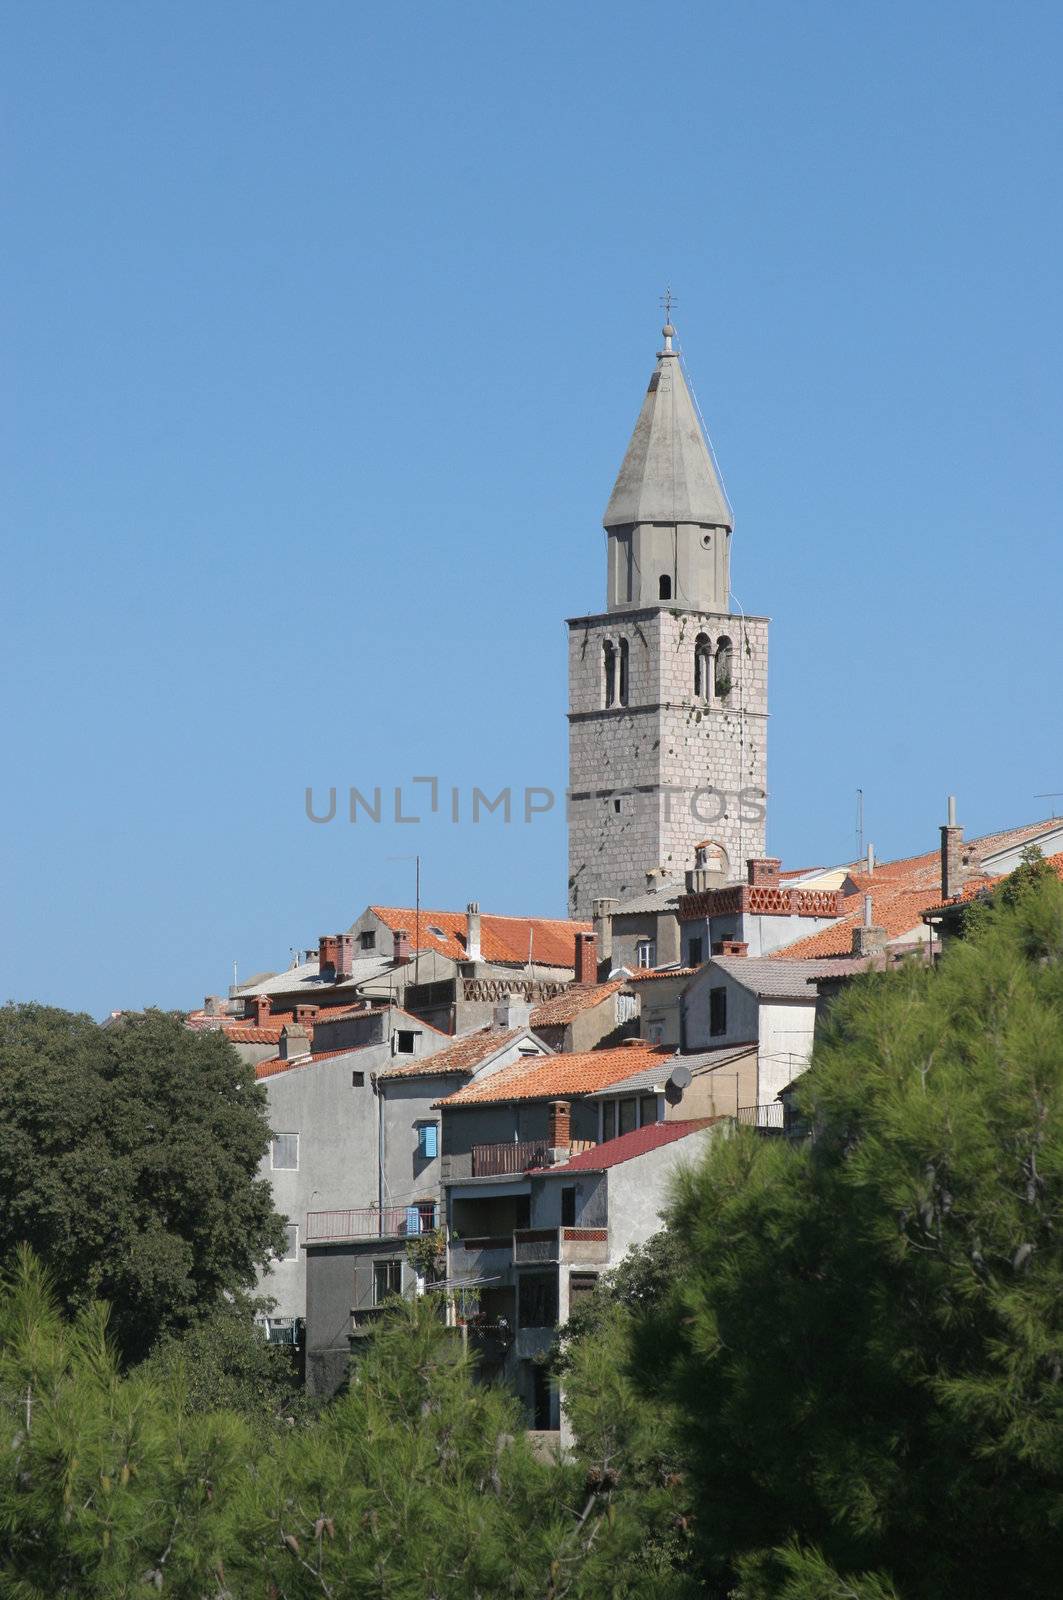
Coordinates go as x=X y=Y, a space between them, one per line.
x=668 y=300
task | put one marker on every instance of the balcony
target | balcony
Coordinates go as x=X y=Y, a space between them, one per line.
x=516 y=1156
x=544 y=1246
x=370 y=1222
x=775 y=1118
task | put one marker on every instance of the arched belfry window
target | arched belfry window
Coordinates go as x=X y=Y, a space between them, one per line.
x=723 y=670
x=664 y=587
x=609 y=672
x=622 y=675
x=702 y=666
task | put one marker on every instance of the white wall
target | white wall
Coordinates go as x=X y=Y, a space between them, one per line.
x=786 y=1032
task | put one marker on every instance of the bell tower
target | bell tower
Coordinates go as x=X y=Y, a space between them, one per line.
x=667 y=686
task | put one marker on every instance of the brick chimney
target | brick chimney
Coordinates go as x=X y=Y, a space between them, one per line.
x=258 y=1009
x=867 y=939
x=344 y=955
x=952 y=862
x=763 y=871
x=295 y=1041
x=326 y=955
x=559 y=1130
x=401 y=946
x=586 y=958
x=602 y=912
x=730 y=947
x=305 y=1014
x=472 y=931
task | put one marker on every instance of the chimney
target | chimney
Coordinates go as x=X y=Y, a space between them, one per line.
x=867 y=939
x=305 y=1014
x=952 y=873
x=472 y=931
x=215 y=1006
x=258 y=1009
x=401 y=950
x=344 y=955
x=763 y=871
x=326 y=955
x=730 y=947
x=512 y=1011
x=295 y=1041
x=870 y=860
x=559 y=1130
x=586 y=958
x=602 y=912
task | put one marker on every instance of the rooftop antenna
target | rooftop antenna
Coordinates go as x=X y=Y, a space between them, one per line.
x=1052 y=794
x=668 y=300
x=859 y=823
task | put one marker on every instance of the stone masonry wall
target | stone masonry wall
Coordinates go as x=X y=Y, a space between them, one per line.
x=623 y=760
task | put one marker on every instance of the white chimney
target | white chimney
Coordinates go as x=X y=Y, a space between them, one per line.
x=472 y=932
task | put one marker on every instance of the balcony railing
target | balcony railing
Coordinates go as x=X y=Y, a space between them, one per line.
x=770 y=1118
x=505 y=1160
x=371 y=1222
x=534 y=1245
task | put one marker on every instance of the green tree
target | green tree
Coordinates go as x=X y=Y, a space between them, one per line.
x=416 y=1483
x=128 y=1160
x=864 y=1354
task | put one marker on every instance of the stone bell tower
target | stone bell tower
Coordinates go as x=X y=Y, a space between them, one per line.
x=668 y=688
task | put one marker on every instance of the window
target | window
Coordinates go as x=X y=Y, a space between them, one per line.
x=282 y=1330
x=646 y=952
x=628 y=1115
x=717 y=1011
x=568 y=1207
x=723 y=670
x=357 y=1080
x=404 y=1041
x=664 y=587
x=647 y=1110
x=367 y=941
x=284 y=1152
x=537 y=1300
x=609 y=671
x=702 y=666
x=621 y=691
x=427 y=1140
x=609 y=1120
x=291 y=1248
x=580 y=1285
x=694 y=953
x=387 y=1280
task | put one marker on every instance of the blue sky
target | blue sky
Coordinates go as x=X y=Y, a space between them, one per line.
x=325 y=327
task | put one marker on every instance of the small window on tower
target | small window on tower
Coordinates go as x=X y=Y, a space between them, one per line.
x=622 y=674
x=664 y=587
x=609 y=669
x=702 y=666
x=723 y=671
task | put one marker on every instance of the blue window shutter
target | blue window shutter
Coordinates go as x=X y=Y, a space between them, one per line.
x=429 y=1140
x=413 y=1220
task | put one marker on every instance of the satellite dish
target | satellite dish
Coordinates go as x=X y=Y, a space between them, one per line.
x=679 y=1076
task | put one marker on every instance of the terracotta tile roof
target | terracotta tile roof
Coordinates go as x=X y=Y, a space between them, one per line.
x=546 y=1079
x=247 y=1033
x=269 y=1069
x=345 y=1013
x=577 y=998
x=629 y=1146
x=897 y=908
x=662 y=972
x=503 y=940
x=463 y=1056
x=978 y=886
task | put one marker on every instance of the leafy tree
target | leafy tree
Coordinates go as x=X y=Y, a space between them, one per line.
x=864 y=1353
x=128 y=1160
x=416 y=1483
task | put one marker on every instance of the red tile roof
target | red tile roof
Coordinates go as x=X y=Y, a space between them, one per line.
x=897 y=908
x=269 y=1069
x=979 y=885
x=629 y=1146
x=662 y=972
x=463 y=1056
x=503 y=940
x=552 y=1076
x=576 y=999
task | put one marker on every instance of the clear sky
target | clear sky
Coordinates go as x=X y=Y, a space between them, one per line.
x=325 y=327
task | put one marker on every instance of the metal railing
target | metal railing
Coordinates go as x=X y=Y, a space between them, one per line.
x=370 y=1222
x=771 y=1117
x=532 y=1245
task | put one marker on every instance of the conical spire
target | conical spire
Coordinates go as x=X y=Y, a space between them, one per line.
x=668 y=474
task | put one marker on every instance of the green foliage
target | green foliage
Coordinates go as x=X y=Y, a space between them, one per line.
x=427 y=1254
x=416 y=1483
x=864 y=1353
x=128 y=1160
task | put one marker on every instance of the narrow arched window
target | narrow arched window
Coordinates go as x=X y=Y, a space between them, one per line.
x=664 y=587
x=702 y=666
x=622 y=684
x=723 y=670
x=609 y=671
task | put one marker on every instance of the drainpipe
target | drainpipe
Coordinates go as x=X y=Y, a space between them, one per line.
x=379 y=1148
